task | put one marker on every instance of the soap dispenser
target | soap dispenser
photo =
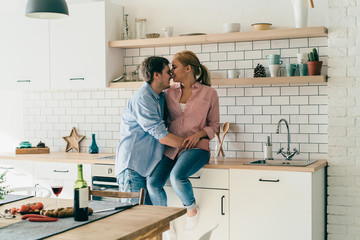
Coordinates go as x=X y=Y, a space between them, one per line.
x=268 y=149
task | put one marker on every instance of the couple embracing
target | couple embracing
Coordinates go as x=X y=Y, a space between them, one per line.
x=165 y=131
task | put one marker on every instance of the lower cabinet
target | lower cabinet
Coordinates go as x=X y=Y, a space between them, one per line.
x=212 y=198
x=277 y=205
x=19 y=173
x=44 y=172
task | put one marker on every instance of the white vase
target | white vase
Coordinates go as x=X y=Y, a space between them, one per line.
x=300 y=13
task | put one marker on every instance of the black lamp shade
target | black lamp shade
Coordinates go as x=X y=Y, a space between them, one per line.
x=47 y=9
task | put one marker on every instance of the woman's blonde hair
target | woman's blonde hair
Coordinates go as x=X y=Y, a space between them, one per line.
x=189 y=58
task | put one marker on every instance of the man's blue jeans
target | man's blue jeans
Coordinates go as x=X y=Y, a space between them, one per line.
x=131 y=181
x=188 y=163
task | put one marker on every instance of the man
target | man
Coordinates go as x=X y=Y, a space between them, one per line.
x=143 y=130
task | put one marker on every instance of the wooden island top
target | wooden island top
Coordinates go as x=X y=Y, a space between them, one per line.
x=86 y=158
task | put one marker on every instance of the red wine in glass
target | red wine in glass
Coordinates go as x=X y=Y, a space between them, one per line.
x=57 y=190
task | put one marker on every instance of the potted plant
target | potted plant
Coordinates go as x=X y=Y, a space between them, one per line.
x=3 y=190
x=314 y=65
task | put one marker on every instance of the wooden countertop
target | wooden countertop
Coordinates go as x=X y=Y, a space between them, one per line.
x=139 y=222
x=86 y=158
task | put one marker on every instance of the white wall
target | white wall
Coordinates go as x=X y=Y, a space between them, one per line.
x=11 y=120
x=344 y=121
x=209 y=15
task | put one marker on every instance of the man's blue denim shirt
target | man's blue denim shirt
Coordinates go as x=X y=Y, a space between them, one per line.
x=142 y=125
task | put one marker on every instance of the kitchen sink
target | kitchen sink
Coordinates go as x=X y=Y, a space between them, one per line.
x=294 y=163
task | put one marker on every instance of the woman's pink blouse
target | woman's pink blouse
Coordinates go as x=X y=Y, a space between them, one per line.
x=201 y=113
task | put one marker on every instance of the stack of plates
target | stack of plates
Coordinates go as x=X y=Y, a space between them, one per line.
x=25 y=144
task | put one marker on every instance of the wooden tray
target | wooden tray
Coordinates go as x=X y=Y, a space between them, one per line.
x=33 y=150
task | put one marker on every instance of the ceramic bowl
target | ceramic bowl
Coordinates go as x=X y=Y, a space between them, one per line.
x=261 y=26
x=231 y=27
x=152 y=35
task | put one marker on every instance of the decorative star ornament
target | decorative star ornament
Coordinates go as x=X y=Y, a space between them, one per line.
x=73 y=141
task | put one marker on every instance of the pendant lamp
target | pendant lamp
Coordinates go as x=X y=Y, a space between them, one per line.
x=46 y=9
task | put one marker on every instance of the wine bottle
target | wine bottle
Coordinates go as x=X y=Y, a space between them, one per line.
x=81 y=197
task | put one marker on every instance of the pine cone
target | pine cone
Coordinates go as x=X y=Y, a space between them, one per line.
x=259 y=71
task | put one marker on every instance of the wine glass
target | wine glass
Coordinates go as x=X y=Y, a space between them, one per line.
x=57 y=186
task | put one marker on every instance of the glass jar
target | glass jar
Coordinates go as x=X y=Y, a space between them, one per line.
x=125 y=28
x=140 y=28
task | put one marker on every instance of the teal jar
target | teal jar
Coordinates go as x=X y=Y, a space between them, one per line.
x=93 y=147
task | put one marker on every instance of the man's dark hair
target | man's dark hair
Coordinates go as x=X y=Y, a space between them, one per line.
x=152 y=65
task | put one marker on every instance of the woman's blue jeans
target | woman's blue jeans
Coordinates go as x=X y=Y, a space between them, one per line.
x=188 y=163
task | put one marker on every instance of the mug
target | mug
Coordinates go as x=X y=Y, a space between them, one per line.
x=303 y=69
x=274 y=59
x=274 y=70
x=168 y=31
x=302 y=58
x=290 y=69
x=231 y=27
x=232 y=74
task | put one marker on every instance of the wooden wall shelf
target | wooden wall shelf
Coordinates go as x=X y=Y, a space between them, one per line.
x=222 y=37
x=242 y=81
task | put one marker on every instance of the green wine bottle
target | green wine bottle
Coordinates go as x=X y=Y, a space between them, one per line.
x=81 y=197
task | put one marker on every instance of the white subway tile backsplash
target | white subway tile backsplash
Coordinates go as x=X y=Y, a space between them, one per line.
x=176 y=49
x=235 y=55
x=283 y=100
x=299 y=42
x=227 y=65
x=226 y=47
x=261 y=45
x=254 y=111
x=226 y=101
x=279 y=43
x=262 y=101
x=289 y=53
x=235 y=92
x=253 y=55
x=209 y=48
x=244 y=119
x=244 y=64
x=318 y=41
x=271 y=110
x=235 y=110
x=132 y=52
x=194 y=48
x=244 y=46
x=244 y=101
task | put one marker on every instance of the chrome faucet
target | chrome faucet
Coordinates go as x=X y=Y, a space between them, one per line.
x=287 y=155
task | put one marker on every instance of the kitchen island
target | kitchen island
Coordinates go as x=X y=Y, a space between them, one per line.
x=139 y=222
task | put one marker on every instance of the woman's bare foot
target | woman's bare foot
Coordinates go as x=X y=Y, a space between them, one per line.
x=192 y=212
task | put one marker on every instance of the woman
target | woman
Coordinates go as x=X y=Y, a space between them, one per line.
x=193 y=113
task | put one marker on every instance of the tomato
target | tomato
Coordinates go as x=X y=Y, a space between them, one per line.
x=24 y=208
x=34 y=207
x=41 y=206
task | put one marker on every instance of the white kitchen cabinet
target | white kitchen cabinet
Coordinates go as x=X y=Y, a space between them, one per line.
x=45 y=171
x=212 y=197
x=24 y=48
x=277 y=205
x=80 y=56
x=19 y=173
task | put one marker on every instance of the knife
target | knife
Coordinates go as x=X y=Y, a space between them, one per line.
x=115 y=208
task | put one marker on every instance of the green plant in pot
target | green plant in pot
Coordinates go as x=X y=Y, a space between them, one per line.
x=3 y=189
x=314 y=65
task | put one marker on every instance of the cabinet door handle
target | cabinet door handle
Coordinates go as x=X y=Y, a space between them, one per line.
x=66 y=171
x=23 y=80
x=77 y=79
x=269 y=180
x=7 y=168
x=222 y=205
x=198 y=177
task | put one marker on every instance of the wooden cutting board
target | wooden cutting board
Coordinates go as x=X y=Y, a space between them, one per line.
x=33 y=150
